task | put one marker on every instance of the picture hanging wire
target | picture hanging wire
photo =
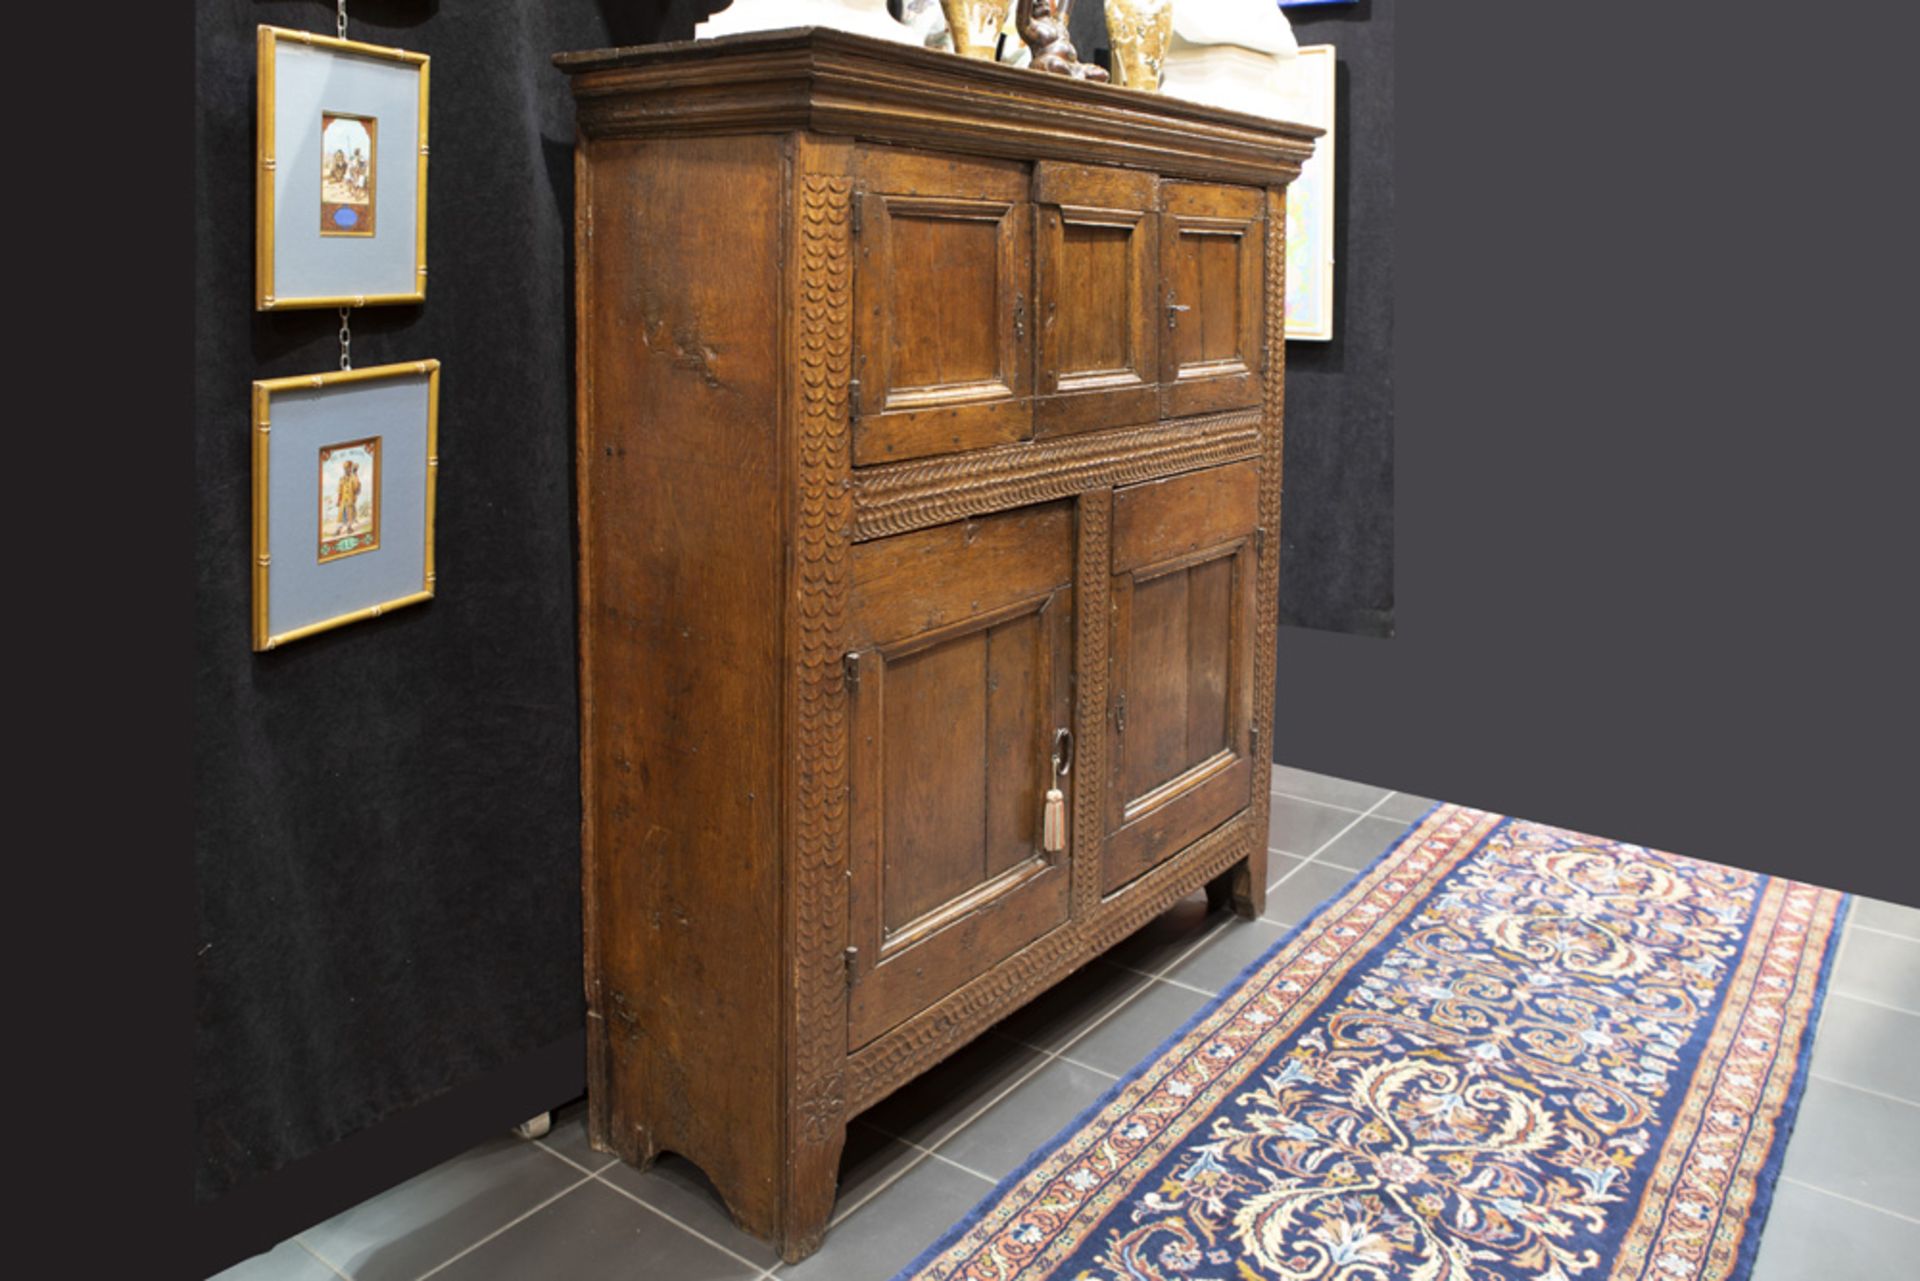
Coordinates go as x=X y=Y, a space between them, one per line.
x=340 y=18
x=346 y=339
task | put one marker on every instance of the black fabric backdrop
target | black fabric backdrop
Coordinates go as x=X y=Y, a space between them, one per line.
x=1336 y=518
x=387 y=816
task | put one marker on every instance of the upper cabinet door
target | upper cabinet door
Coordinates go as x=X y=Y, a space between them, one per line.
x=1212 y=265
x=943 y=356
x=1181 y=710
x=1098 y=258
x=962 y=679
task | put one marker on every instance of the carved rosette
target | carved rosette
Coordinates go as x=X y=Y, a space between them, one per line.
x=823 y=536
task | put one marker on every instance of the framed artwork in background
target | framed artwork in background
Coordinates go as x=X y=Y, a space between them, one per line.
x=1310 y=200
x=341 y=180
x=344 y=469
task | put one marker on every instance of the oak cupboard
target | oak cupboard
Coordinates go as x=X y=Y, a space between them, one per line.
x=929 y=464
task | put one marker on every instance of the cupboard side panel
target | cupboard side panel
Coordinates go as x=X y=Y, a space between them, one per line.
x=681 y=531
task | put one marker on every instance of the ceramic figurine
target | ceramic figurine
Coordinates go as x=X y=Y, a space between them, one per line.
x=975 y=25
x=1139 y=30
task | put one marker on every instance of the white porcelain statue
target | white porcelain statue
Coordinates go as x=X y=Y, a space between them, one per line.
x=1231 y=53
x=862 y=17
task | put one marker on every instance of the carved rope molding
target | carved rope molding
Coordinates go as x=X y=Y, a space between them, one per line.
x=936 y=1031
x=1093 y=589
x=895 y=497
x=824 y=518
x=1267 y=594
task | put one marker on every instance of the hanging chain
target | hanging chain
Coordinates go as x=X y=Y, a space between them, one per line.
x=346 y=340
x=340 y=18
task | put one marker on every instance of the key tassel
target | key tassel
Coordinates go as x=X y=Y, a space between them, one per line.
x=1053 y=827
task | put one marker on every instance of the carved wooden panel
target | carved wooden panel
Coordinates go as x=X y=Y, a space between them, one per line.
x=1182 y=638
x=1212 y=264
x=963 y=669
x=944 y=291
x=1097 y=260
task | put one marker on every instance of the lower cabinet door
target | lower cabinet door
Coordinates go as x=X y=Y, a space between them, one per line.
x=1181 y=710
x=960 y=679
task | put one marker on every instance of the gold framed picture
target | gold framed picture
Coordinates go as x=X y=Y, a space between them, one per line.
x=340 y=188
x=344 y=472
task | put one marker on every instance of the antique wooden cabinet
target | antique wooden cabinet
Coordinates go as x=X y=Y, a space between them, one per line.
x=929 y=461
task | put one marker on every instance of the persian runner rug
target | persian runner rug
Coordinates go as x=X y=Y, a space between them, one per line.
x=1505 y=1052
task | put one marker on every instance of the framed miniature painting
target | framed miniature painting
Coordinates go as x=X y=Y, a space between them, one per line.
x=1310 y=84
x=344 y=468
x=341 y=184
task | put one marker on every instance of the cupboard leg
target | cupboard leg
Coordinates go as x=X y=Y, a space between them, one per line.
x=1243 y=887
x=809 y=1202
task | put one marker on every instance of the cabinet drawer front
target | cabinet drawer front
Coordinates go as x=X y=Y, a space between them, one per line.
x=962 y=676
x=943 y=296
x=1097 y=261
x=1181 y=710
x=1212 y=260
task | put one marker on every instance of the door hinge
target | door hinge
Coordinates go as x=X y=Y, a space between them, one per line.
x=853 y=964
x=1260 y=540
x=859 y=203
x=850 y=667
x=853 y=397
x=1120 y=713
x=1253 y=746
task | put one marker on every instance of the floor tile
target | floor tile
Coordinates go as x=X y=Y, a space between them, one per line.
x=1294 y=899
x=1362 y=843
x=1404 y=806
x=285 y=1262
x=1136 y=1029
x=929 y=1107
x=1227 y=953
x=406 y=1230
x=1323 y=787
x=1869 y=1046
x=1896 y=918
x=1859 y=1145
x=1812 y=1234
x=595 y=1234
x=1007 y=1133
x=885 y=1234
x=1880 y=968
x=1078 y=1002
x=568 y=1137
x=677 y=1188
x=1163 y=939
x=1300 y=827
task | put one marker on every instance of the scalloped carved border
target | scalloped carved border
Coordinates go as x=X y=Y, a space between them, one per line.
x=943 y=1027
x=823 y=518
x=896 y=497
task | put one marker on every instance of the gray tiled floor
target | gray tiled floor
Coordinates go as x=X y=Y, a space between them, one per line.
x=1847 y=1205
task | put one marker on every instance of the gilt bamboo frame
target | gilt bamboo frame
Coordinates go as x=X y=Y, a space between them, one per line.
x=265 y=161
x=263 y=392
